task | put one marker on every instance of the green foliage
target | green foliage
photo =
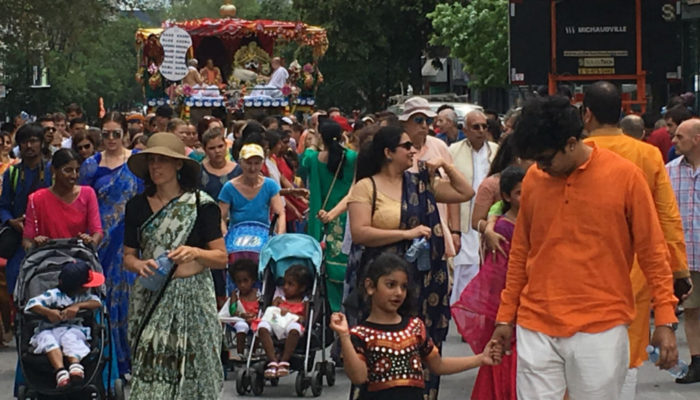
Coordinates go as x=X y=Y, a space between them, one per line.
x=86 y=45
x=374 y=47
x=477 y=35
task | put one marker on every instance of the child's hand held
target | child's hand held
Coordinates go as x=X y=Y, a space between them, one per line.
x=339 y=323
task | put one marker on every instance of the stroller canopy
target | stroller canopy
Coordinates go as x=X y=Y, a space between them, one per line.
x=283 y=251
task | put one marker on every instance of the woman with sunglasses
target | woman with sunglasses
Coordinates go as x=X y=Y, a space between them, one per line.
x=84 y=144
x=390 y=207
x=115 y=184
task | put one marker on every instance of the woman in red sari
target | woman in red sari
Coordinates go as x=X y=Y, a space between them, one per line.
x=475 y=312
x=64 y=210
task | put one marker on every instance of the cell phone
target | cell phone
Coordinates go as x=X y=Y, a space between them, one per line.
x=680 y=288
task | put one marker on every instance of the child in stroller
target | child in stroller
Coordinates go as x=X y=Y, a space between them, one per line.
x=244 y=301
x=297 y=281
x=63 y=335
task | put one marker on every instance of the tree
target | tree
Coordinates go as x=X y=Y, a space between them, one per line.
x=86 y=45
x=375 y=46
x=477 y=35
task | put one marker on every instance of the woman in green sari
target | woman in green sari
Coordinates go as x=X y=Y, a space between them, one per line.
x=175 y=337
x=329 y=175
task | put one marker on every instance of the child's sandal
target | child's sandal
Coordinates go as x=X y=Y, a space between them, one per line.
x=62 y=378
x=282 y=369
x=77 y=372
x=271 y=371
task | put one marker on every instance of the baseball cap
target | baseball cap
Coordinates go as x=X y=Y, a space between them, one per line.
x=77 y=273
x=251 y=150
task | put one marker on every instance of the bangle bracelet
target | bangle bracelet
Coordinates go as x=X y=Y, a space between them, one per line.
x=478 y=226
x=504 y=324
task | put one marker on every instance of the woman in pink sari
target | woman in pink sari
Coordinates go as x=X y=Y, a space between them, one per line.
x=64 y=210
x=475 y=312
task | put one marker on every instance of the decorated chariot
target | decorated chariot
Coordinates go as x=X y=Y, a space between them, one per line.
x=233 y=60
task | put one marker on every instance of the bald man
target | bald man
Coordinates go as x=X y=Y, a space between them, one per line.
x=633 y=125
x=685 y=181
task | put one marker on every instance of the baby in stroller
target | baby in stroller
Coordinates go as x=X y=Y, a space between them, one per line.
x=292 y=299
x=63 y=335
x=244 y=301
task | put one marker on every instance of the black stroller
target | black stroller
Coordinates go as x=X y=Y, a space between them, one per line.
x=278 y=254
x=38 y=273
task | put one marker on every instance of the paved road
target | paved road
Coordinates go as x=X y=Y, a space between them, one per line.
x=653 y=384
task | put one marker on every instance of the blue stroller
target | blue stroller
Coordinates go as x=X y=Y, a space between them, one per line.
x=277 y=255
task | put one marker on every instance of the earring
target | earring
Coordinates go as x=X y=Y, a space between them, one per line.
x=179 y=175
x=389 y=159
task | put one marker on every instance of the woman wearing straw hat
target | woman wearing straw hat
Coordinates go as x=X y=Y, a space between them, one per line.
x=173 y=331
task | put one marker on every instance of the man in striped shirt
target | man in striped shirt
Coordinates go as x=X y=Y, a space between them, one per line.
x=685 y=180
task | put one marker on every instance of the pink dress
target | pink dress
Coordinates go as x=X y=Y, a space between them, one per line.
x=49 y=216
x=475 y=316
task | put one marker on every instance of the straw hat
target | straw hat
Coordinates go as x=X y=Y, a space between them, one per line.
x=164 y=144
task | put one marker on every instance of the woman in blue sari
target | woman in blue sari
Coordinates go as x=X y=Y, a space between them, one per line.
x=114 y=185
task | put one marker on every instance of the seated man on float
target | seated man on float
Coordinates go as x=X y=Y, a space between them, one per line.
x=193 y=77
x=276 y=81
x=211 y=74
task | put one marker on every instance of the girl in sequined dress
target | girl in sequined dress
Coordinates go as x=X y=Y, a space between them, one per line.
x=385 y=354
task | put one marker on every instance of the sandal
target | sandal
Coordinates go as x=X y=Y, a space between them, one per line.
x=282 y=369
x=77 y=372
x=271 y=371
x=62 y=378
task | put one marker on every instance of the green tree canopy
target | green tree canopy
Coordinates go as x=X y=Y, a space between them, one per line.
x=374 y=47
x=477 y=35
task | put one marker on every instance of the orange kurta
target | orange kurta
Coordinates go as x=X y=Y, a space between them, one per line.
x=648 y=159
x=573 y=248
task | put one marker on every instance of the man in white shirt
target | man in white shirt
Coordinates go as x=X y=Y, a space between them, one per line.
x=472 y=157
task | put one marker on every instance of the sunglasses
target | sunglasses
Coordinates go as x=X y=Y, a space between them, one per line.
x=85 y=146
x=113 y=134
x=50 y=129
x=479 y=127
x=405 y=145
x=420 y=120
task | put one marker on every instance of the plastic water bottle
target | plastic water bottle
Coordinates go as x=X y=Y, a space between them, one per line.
x=419 y=252
x=155 y=281
x=677 y=371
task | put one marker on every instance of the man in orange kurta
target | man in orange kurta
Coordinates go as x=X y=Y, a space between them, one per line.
x=584 y=213
x=602 y=104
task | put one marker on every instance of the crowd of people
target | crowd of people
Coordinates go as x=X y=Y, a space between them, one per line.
x=424 y=218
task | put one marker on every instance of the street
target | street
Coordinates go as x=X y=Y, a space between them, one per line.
x=653 y=384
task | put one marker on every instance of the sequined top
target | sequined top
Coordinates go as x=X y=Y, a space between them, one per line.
x=393 y=353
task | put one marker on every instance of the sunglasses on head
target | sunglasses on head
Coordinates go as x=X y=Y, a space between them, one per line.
x=479 y=127
x=113 y=134
x=405 y=145
x=420 y=120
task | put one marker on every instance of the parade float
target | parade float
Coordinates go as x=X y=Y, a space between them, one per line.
x=234 y=58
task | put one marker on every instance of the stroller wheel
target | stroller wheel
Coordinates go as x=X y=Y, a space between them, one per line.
x=241 y=384
x=330 y=373
x=22 y=392
x=257 y=382
x=300 y=384
x=316 y=383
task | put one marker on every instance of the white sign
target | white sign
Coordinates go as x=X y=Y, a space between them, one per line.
x=175 y=41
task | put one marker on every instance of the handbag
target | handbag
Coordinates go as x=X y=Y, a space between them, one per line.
x=10 y=240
